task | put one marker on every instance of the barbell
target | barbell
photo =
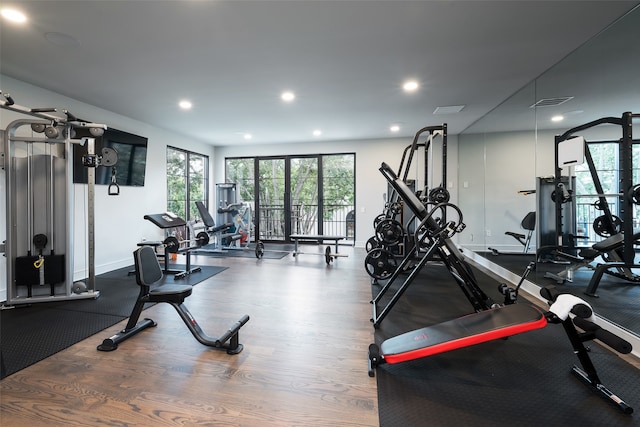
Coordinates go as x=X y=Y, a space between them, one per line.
x=172 y=244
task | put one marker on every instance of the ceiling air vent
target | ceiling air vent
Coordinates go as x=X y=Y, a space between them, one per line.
x=551 y=102
x=450 y=109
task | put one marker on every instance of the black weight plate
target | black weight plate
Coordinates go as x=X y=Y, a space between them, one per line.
x=259 y=249
x=380 y=263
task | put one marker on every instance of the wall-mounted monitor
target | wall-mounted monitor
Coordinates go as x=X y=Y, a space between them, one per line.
x=132 y=158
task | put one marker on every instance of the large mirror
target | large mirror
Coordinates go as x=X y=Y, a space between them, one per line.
x=506 y=160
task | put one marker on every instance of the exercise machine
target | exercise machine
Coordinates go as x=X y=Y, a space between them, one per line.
x=502 y=322
x=173 y=244
x=148 y=273
x=215 y=232
x=431 y=238
x=40 y=202
x=618 y=252
x=237 y=214
x=610 y=251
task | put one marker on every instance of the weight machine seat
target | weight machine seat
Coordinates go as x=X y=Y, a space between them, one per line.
x=528 y=223
x=208 y=221
x=462 y=332
x=149 y=272
x=610 y=243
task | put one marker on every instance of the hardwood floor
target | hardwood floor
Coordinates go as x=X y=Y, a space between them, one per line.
x=304 y=361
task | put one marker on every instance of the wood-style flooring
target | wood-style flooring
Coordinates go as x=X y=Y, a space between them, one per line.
x=304 y=362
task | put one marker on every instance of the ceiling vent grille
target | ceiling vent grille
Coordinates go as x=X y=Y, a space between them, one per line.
x=551 y=102
x=450 y=109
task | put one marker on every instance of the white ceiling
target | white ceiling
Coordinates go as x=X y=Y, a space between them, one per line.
x=345 y=60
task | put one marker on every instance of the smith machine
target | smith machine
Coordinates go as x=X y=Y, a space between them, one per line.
x=37 y=159
x=619 y=239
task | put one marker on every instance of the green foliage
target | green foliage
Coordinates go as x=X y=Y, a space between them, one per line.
x=187 y=182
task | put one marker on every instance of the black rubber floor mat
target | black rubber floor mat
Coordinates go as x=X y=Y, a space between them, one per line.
x=30 y=333
x=524 y=380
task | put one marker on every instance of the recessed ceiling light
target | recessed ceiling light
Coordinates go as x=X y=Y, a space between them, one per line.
x=410 y=86
x=288 y=96
x=557 y=118
x=13 y=15
x=248 y=136
x=185 y=105
x=317 y=132
x=394 y=128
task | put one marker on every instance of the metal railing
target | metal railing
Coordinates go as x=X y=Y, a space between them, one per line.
x=338 y=220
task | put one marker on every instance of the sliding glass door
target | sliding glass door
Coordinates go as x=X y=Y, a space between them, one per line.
x=312 y=194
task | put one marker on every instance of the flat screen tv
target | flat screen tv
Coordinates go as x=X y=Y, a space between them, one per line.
x=132 y=158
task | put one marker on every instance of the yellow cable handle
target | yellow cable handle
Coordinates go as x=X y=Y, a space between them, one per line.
x=38 y=263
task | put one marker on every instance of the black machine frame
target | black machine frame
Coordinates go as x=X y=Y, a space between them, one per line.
x=610 y=224
x=434 y=236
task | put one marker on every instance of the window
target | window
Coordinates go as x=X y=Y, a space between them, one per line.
x=187 y=182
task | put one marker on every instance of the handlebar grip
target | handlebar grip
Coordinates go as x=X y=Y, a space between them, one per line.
x=582 y=310
x=615 y=342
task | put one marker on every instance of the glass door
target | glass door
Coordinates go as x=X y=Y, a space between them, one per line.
x=303 y=196
x=271 y=200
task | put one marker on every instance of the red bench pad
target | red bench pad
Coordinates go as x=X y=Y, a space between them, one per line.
x=465 y=331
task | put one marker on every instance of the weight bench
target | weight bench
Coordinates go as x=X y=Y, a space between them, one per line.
x=609 y=249
x=148 y=273
x=503 y=322
x=297 y=238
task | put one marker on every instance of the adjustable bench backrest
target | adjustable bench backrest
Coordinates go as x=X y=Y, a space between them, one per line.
x=207 y=219
x=409 y=198
x=148 y=270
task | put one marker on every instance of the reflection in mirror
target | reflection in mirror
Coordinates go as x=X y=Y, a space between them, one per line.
x=511 y=151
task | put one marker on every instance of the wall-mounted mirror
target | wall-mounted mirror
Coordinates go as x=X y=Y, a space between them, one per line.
x=509 y=153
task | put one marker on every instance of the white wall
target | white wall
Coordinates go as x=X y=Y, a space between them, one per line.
x=370 y=184
x=119 y=220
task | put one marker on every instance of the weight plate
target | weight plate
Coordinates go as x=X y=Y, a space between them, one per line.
x=327 y=255
x=202 y=238
x=380 y=263
x=634 y=194
x=377 y=220
x=605 y=227
x=439 y=195
x=389 y=232
x=259 y=249
x=171 y=245
x=372 y=243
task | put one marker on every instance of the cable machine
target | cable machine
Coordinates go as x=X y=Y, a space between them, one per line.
x=40 y=203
